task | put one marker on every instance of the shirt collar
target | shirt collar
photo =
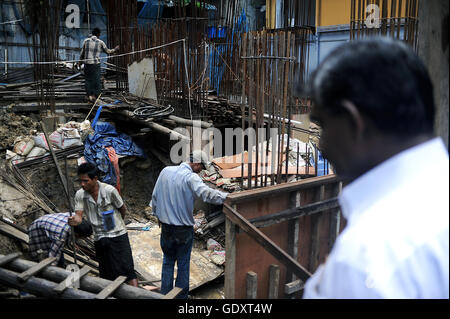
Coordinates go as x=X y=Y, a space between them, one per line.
x=389 y=175
x=186 y=165
x=101 y=193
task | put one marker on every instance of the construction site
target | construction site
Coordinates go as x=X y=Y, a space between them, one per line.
x=220 y=76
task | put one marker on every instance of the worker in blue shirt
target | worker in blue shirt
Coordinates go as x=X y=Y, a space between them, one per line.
x=173 y=199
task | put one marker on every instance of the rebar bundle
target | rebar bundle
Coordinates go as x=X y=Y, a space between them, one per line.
x=272 y=63
x=44 y=17
x=122 y=31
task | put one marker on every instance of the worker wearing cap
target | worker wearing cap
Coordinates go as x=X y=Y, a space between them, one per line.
x=173 y=199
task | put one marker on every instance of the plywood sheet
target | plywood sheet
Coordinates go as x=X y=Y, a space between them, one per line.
x=292 y=170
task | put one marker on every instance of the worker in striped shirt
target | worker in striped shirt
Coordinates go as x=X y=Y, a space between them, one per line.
x=48 y=234
x=89 y=56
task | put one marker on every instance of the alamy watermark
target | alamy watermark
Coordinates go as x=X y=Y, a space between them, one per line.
x=373 y=19
x=73 y=17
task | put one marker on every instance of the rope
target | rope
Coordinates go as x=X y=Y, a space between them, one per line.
x=107 y=57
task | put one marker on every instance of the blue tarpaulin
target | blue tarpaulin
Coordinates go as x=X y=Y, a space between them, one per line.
x=95 y=149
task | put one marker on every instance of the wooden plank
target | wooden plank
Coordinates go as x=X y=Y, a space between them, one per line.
x=293 y=234
x=295 y=212
x=252 y=285
x=249 y=195
x=35 y=269
x=87 y=283
x=40 y=287
x=107 y=291
x=293 y=287
x=12 y=232
x=236 y=172
x=274 y=281
x=8 y=258
x=230 y=261
x=77 y=275
x=335 y=220
x=173 y=293
x=266 y=243
x=315 y=239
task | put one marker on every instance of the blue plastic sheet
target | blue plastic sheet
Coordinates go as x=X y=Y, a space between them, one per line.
x=95 y=151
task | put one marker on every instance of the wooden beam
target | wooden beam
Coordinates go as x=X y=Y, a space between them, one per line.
x=40 y=287
x=24 y=276
x=266 y=243
x=269 y=191
x=293 y=233
x=107 y=291
x=295 y=212
x=252 y=285
x=315 y=234
x=293 y=287
x=173 y=293
x=8 y=258
x=77 y=275
x=230 y=261
x=274 y=281
x=87 y=283
x=187 y=122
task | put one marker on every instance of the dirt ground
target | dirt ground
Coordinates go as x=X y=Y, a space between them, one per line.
x=12 y=126
x=137 y=180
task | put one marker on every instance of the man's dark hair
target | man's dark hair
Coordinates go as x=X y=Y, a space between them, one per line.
x=88 y=169
x=96 y=32
x=84 y=229
x=384 y=79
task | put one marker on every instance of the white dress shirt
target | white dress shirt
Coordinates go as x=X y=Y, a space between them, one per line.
x=174 y=194
x=396 y=242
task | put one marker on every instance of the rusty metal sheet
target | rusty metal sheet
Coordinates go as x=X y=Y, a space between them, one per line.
x=313 y=235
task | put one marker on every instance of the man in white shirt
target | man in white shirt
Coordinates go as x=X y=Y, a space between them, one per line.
x=373 y=100
x=173 y=198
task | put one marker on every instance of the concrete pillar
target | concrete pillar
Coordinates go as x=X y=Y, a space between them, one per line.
x=433 y=49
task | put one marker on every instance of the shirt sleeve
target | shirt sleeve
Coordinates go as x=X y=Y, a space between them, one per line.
x=116 y=199
x=207 y=194
x=154 y=201
x=83 y=52
x=79 y=204
x=105 y=48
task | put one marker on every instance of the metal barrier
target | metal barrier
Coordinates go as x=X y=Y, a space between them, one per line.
x=277 y=236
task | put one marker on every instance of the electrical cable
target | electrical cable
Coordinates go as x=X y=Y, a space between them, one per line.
x=151 y=111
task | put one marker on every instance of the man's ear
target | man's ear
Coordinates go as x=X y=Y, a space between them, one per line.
x=355 y=117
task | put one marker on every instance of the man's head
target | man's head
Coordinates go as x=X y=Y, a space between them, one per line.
x=199 y=161
x=83 y=230
x=88 y=176
x=96 y=32
x=370 y=98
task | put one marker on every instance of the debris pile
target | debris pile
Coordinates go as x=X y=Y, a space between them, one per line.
x=226 y=172
x=12 y=126
x=34 y=144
